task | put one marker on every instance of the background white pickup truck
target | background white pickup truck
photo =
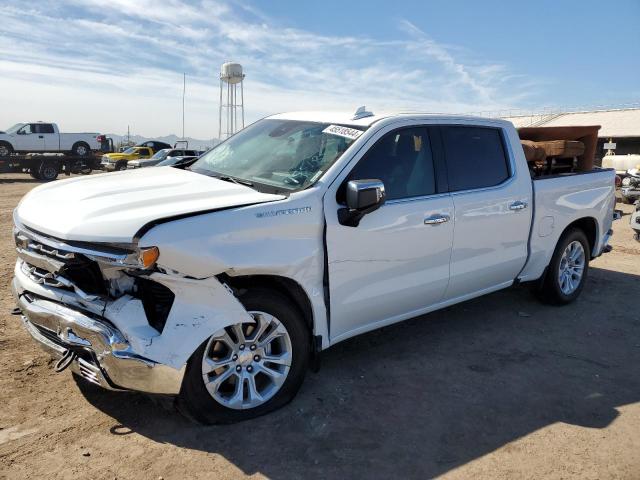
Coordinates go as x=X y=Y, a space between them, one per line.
x=221 y=283
x=45 y=137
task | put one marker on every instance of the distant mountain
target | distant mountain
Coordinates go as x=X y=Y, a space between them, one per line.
x=170 y=139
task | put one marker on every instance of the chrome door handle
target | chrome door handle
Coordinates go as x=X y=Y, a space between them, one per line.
x=436 y=219
x=518 y=205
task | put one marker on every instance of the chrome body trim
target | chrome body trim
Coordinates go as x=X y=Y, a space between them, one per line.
x=31 y=245
x=113 y=365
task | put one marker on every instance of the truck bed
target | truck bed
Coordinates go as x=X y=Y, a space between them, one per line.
x=559 y=200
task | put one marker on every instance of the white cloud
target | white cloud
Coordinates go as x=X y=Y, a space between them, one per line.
x=105 y=64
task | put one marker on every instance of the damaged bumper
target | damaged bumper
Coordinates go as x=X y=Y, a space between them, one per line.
x=103 y=355
x=116 y=340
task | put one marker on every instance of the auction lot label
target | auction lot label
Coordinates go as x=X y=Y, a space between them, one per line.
x=345 y=132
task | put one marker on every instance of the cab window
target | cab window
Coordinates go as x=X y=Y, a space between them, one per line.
x=403 y=160
x=43 y=128
x=475 y=157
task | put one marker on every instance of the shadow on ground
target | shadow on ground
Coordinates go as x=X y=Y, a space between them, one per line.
x=428 y=395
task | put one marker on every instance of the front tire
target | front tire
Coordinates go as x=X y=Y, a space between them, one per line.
x=568 y=269
x=121 y=166
x=247 y=370
x=5 y=149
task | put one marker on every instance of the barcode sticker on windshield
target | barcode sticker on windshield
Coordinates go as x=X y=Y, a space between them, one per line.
x=345 y=132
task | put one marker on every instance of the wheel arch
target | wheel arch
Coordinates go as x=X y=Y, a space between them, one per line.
x=589 y=226
x=288 y=287
x=8 y=144
x=80 y=142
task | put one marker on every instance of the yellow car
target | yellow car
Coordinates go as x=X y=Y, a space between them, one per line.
x=118 y=161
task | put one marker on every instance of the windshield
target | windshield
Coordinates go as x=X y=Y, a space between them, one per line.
x=161 y=155
x=286 y=154
x=130 y=150
x=15 y=128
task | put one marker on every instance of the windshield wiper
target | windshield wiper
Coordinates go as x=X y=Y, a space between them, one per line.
x=237 y=181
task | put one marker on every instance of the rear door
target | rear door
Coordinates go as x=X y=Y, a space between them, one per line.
x=395 y=263
x=51 y=138
x=492 y=203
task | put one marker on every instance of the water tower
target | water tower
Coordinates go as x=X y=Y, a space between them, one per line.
x=231 y=78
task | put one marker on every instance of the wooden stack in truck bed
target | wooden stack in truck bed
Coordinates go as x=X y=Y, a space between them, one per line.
x=562 y=148
x=551 y=150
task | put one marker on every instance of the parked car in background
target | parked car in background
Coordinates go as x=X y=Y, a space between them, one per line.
x=635 y=222
x=179 y=162
x=40 y=137
x=160 y=156
x=222 y=283
x=154 y=145
x=118 y=161
x=630 y=188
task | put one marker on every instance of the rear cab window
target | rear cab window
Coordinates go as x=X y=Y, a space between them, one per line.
x=475 y=156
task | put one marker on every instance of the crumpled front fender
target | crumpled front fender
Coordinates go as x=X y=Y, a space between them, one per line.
x=200 y=308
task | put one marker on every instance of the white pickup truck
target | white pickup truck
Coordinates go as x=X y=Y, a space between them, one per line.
x=221 y=283
x=45 y=137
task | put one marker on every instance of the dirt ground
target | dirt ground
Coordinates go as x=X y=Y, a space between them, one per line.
x=499 y=387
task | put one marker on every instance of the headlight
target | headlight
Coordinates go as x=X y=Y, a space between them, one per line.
x=626 y=181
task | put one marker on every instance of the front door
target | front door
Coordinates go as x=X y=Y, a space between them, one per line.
x=27 y=140
x=395 y=263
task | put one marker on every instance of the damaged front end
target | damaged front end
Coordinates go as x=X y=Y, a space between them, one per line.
x=112 y=315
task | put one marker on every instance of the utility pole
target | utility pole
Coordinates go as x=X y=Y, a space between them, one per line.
x=184 y=88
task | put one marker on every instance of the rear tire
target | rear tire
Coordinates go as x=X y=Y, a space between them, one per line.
x=626 y=200
x=231 y=400
x=34 y=173
x=80 y=149
x=567 y=272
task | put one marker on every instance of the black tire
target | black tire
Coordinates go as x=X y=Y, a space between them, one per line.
x=5 y=149
x=195 y=401
x=34 y=173
x=80 y=149
x=121 y=166
x=48 y=171
x=549 y=290
x=626 y=200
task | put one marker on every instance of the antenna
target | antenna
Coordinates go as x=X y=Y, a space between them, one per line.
x=231 y=76
x=362 y=112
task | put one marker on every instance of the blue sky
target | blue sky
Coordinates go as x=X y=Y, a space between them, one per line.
x=101 y=65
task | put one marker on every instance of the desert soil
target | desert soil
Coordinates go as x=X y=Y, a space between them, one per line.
x=500 y=387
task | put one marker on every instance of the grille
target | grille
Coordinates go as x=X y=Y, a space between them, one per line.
x=76 y=269
x=41 y=276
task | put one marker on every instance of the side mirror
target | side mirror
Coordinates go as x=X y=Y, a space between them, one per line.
x=363 y=196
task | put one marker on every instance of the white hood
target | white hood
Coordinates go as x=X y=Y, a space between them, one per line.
x=112 y=207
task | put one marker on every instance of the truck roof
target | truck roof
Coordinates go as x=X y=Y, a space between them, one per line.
x=344 y=118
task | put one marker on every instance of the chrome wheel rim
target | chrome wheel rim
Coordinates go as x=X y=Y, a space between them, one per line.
x=246 y=364
x=81 y=150
x=571 y=269
x=4 y=151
